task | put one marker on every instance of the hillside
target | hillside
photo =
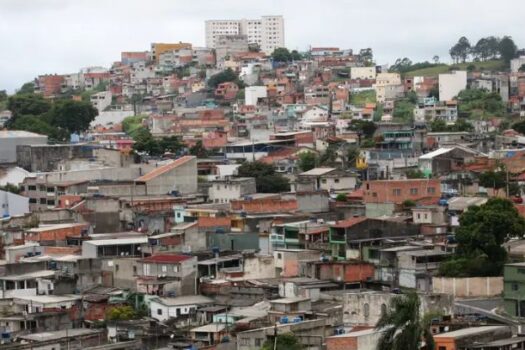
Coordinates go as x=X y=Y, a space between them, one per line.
x=444 y=68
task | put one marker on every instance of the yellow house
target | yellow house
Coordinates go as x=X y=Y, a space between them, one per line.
x=159 y=48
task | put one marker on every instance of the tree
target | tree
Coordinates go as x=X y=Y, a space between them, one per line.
x=493 y=179
x=9 y=187
x=522 y=68
x=307 y=161
x=482 y=231
x=493 y=46
x=366 y=56
x=435 y=59
x=286 y=341
x=461 y=50
x=222 y=77
x=281 y=54
x=171 y=144
x=365 y=127
x=402 y=325
x=27 y=88
x=404 y=110
x=401 y=65
x=414 y=174
x=121 y=313
x=295 y=55
x=39 y=125
x=481 y=50
x=198 y=150
x=73 y=116
x=480 y=103
x=507 y=49
x=266 y=180
x=27 y=104
x=519 y=127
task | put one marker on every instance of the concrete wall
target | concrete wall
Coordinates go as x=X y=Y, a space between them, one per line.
x=469 y=287
x=312 y=202
x=47 y=157
x=183 y=179
x=8 y=145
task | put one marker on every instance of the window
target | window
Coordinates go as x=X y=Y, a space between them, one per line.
x=413 y=191
x=522 y=271
x=323 y=181
x=336 y=181
x=258 y=342
x=431 y=190
x=442 y=348
x=374 y=194
x=396 y=191
x=164 y=268
x=515 y=286
x=116 y=267
x=176 y=268
x=43 y=201
x=418 y=216
x=159 y=311
x=32 y=200
x=279 y=256
x=366 y=310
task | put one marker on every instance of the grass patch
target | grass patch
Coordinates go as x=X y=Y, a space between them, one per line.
x=494 y=65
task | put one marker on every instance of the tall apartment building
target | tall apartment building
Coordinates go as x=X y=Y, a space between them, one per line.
x=267 y=32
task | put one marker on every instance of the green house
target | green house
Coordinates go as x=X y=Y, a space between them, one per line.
x=514 y=289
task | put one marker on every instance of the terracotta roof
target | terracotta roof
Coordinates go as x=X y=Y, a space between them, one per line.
x=164 y=169
x=166 y=258
x=349 y=222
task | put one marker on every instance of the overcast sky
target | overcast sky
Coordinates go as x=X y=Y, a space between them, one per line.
x=61 y=36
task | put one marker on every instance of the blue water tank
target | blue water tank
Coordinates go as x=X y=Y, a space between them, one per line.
x=284 y=319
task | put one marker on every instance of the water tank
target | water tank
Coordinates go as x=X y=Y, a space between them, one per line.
x=284 y=320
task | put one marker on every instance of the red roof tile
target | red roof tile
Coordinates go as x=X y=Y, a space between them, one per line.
x=166 y=258
x=349 y=222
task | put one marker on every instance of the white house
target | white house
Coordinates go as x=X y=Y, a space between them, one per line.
x=12 y=204
x=253 y=93
x=450 y=84
x=162 y=309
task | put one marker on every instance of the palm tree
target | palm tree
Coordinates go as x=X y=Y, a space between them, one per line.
x=403 y=327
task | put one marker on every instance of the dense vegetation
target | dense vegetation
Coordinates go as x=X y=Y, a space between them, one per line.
x=57 y=119
x=482 y=231
x=266 y=179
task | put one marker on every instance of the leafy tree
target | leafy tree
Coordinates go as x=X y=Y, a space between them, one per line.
x=3 y=95
x=341 y=197
x=481 y=50
x=9 y=187
x=519 y=127
x=403 y=326
x=121 y=313
x=266 y=180
x=329 y=156
x=171 y=144
x=522 y=68
x=482 y=231
x=365 y=127
x=435 y=59
x=27 y=104
x=222 y=77
x=409 y=203
x=493 y=179
x=414 y=174
x=480 y=103
x=366 y=56
x=493 y=46
x=281 y=54
x=286 y=341
x=73 y=116
x=27 y=88
x=295 y=55
x=401 y=65
x=39 y=125
x=507 y=49
x=461 y=50
x=198 y=150
x=144 y=142
x=307 y=161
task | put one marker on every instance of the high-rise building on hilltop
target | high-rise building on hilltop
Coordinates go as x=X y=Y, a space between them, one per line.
x=267 y=32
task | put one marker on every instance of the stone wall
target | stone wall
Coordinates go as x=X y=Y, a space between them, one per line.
x=471 y=287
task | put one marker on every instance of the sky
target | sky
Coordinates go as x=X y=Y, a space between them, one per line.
x=62 y=36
